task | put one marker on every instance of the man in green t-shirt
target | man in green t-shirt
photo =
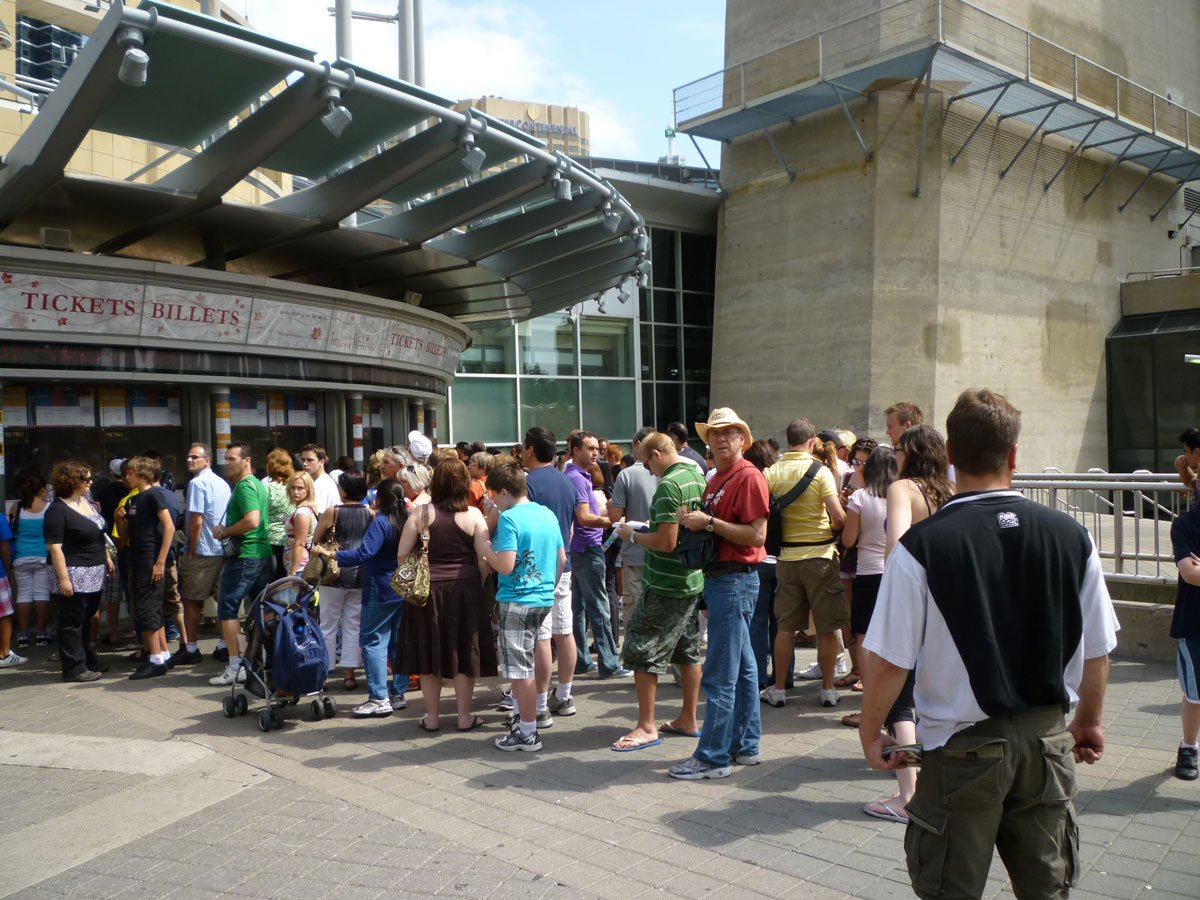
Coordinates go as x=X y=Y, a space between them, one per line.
x=243 y=576
x=663 y=630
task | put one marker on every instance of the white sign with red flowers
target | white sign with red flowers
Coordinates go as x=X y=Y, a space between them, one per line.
x=276 y=323
x=52 y=303
x=194 y=315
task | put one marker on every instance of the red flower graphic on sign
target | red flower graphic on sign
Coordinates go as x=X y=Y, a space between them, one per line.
x=34 y=283
x=7 y=278
x=62 y=320
x=316 y=334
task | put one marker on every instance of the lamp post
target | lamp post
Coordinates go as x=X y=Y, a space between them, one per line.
x=409 y=21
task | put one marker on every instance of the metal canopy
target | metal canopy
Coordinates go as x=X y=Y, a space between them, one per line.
x=386 y=204
x=970 y=54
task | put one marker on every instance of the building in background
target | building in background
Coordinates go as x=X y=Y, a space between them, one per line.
x=563 y=128
x=881 y=242
x=206 y=234
x=646 y=360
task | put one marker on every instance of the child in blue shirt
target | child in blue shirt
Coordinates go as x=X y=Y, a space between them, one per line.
x=528 y=555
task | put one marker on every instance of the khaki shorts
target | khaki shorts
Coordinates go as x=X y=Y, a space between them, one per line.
x=1005 y=784
x=810 y=585
x=560 y=620
x=172 y=604
x=200 y=577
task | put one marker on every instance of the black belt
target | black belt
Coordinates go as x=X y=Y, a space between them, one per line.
x=728 y=568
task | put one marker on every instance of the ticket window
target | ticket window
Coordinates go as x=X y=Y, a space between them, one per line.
x=269 y=419
x=47 y=425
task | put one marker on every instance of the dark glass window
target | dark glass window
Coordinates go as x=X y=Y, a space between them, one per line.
x=669 y=400
x=667 y=366
x=698 y=309
x=647 y=353
x=699 y=260
x=662 y=250
x=666 y=306
x=697 y=354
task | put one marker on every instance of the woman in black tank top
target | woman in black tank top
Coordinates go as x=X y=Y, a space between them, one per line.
x=341 y=604
x=451 y=635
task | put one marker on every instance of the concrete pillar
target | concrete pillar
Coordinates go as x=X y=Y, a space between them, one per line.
x=355 y=414
x=222 y=432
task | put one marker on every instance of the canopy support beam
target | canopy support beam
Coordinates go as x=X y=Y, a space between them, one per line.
x=1178 y=188
x=1112 y=168
x=1032 y=135
x=850 y=119
x=775 y=147
x=1142 y=183
x=979 y=124
x=1070 y=156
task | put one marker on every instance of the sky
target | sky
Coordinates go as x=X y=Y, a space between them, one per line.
x=617 y=60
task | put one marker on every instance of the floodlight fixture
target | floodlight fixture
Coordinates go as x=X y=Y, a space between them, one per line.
x=612 y=218
x=601 y=306
x=562 y=187
x=336 y=119
x=623 y=294
x=133 y=67
x=643 y=280
x=473 y=156
x=642 y=244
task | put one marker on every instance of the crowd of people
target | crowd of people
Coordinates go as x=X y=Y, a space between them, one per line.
x=968 y=618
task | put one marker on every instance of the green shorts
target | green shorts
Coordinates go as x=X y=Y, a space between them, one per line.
x=1005 y=783
x=663 y=631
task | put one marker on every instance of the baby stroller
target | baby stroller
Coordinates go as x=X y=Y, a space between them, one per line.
x=285 y=658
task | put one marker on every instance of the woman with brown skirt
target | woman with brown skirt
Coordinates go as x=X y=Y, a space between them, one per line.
x=450 y=637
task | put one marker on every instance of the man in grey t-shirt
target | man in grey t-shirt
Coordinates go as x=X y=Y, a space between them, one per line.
x=631 y=497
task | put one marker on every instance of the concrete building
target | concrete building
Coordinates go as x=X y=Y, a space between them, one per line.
x=207 y=233
x=881 y=242
x=566 y=129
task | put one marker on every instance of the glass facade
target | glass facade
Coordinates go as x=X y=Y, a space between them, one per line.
x=610 y=373
x=1153 y=394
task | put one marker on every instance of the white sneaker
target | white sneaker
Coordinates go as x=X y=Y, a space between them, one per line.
x=812 y=673
x=398 y=702
x=829 y=697
x=228 y=677
x=373 y=709
x=773 y=696
x=12 y=660
x=842 y=667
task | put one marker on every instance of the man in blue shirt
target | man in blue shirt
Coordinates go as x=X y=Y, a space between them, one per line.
x=548 y=487
x=589 y=597
x=202 y=559
x=528 y=556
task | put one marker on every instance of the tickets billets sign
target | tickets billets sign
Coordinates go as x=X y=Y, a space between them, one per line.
x=55 y=304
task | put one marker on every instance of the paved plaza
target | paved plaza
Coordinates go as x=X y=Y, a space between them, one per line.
x=145 y=789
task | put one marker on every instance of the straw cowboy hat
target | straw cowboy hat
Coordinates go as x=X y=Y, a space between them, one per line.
x=723 y=417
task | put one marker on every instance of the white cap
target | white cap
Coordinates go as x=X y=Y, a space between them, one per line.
x=114 y=466
x=419 y=445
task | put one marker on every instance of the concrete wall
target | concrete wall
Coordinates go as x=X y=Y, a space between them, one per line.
x=840 y=293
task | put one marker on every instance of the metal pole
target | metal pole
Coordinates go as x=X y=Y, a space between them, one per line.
x=978 y=125
x=1103 y=178
x=342 y=19
x=1178 y=188
x=1070 y=156
x=418 y=42
x=404 y=12
x=1142 y=183
x=1032 y=134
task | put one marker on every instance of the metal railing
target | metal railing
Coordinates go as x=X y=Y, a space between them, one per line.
x=912 y=23
x=1128 y=515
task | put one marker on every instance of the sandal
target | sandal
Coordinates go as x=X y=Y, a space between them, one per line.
x=350 y=682
x=881 y=809
x=421 y=724
x=857 y=687
x=847 y=681
x=475 y=723
x=852 y=720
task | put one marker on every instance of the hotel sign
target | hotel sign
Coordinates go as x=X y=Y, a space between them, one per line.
x=54 y=304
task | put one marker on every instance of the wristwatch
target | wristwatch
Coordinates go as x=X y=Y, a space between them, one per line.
x=709 y=526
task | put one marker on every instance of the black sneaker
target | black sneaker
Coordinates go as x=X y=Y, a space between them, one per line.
x=184 y=658
x=221 y=654
x=22 y=640
x=1186 y=764
x=148 y=670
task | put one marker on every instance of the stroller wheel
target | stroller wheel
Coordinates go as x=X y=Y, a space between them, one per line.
x=228 y=707
x=315 y=711
x=264 y=721
x=330 y=708
x=241 y=704
x=277 y=717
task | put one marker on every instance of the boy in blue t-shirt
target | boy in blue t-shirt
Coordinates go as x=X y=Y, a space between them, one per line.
x=528 y=556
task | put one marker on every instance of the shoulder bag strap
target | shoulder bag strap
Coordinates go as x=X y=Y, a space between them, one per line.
x=800 y=486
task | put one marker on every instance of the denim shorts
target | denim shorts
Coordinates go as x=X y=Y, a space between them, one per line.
x=242 y=579
x=1187 y=668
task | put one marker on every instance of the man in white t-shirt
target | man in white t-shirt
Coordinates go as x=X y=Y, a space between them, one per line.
x=1000 y=606
x=313 y=458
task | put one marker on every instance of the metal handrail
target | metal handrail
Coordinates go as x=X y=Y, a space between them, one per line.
x=1160 y=273
x=1128 y=514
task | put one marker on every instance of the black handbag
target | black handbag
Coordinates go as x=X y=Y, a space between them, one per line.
x=696 y=549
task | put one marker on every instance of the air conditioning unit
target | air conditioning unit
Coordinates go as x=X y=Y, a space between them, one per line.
x=412 y=298
x=56 y=238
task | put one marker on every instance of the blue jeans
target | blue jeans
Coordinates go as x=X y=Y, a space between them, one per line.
x=732 y=720
x=764 y=626
x=242 y=579
x=589 y=598
x=377 y=632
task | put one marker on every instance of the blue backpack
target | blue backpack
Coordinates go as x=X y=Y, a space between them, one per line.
x=299 y=664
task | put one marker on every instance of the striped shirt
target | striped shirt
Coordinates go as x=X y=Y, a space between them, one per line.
x=681 y=485
x=805 y=519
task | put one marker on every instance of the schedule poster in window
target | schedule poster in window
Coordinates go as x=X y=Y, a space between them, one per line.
x=154 y=407
x=113 y=411
x=247 y=410
x=16 y=407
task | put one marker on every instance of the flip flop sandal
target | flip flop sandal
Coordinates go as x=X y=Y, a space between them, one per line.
x=880 y=809
x=421 y=724
x=630 y=746
x=857 y=687
x=846 y=681
x=669 y=729
x=475 y=723
x=851 y=720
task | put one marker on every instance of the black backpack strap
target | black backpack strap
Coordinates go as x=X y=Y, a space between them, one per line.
x=800 y=487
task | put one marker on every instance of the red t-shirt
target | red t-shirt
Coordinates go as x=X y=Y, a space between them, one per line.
x=738 y=495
